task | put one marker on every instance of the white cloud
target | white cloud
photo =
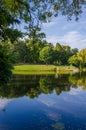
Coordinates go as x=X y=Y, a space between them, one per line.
x=72 y=33
x=72 y=38
x=4 y=102
x=74 y=91
x=47 y=101
x=79 y=25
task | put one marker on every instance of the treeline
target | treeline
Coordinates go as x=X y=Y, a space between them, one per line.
x=42 y=52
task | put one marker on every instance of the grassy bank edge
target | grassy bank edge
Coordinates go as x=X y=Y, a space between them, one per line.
x=43 y=69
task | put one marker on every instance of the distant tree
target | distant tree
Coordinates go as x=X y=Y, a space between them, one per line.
x=82 y=58
x=21 y=52
x=74 y=51
x=46 y=54
x=60 y=54
x=67 y=53
x=79 y=59
x=42 y=44
x=73 y=60
x=58 y=47
x=34 y=49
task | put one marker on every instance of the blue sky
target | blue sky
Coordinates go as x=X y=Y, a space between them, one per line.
x=70 y=33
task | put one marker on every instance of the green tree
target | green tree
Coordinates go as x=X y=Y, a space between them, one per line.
x=59 y=54
x=21 y=52
x=73 y=60
x=46 y=54
x=67 y=53
x=33 y=53
x=82 y=58
x=79 y=59
x=7 y=19
x=74 y=51
x=5 y=64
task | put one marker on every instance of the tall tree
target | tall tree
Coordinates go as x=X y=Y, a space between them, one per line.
x=82 y=58
x=46 y=54
x=79 y=59
x=59 y=54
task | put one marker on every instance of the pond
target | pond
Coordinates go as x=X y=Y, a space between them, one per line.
x=44 y=102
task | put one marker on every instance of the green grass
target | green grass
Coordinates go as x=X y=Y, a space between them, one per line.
x=42 y=69
x=34 y=69
x=66 y=69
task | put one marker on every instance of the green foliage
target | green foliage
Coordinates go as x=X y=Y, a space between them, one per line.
x=78 y=80
x=74 y=51
x=26 y=51
x=62 y=54
x=20 y=52
x=12 y=34
x=34 y=85
x=5 y=64
x=34 y=13
x=7 y=18
x=38 y=84
x=82 y=58
x=73 y=60
x=30 y=51
x=46 y=54
x=79 y=59
x=34 y=51
x=45 y=85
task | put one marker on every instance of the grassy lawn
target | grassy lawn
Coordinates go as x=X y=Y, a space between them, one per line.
x=42 y=69
x=34 y=69
x=66 y=68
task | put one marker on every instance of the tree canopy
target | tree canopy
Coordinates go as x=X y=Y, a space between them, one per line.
x=33 y=13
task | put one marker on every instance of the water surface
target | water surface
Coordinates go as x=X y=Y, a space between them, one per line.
x=43 y=102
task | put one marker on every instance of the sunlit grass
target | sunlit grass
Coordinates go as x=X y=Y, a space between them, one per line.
x=34 y=72
x=42 y=69
x=34 y=69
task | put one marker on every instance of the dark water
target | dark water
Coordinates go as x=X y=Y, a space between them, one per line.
x=55 y=102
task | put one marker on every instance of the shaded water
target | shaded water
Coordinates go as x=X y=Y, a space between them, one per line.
x=43 y=102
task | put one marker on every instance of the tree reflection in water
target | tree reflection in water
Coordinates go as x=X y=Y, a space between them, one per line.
x=34 y=85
